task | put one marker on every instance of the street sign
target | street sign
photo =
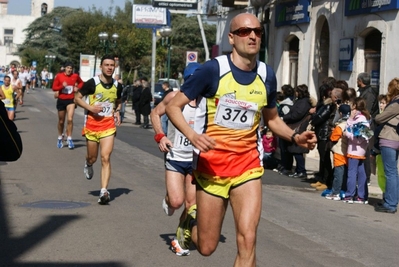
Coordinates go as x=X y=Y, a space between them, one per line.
x=191 y=56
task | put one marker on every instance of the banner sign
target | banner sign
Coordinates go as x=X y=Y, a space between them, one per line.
x=294 y=12
x=346 y=54
x=357 y=7
x=176 y=4
x=147 y=16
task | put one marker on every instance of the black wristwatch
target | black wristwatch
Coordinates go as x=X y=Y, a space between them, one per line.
x=293 y=137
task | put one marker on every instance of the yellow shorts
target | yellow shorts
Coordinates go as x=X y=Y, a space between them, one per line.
x=95 y=136
x=220 y=186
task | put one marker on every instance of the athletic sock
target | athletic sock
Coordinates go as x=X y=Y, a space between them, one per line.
x=69 y=137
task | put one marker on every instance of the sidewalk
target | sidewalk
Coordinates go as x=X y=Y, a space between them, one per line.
x=312 y=159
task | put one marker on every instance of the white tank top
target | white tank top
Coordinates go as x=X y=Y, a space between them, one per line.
x=182 y=149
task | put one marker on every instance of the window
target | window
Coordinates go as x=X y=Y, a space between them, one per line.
x=8 y=37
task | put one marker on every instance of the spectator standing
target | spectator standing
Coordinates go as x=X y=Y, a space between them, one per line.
x=295 y=118
x=389 y=146
x=339 y=149
x=322 y=121
x=357 y=124
x=145 y=103
x=136 y=94
x=269 y=142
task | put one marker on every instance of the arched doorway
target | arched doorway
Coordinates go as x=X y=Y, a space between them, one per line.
x=372 y=56
x=324 y=51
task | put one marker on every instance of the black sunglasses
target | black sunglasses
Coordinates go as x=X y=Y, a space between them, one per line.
x=244 y=31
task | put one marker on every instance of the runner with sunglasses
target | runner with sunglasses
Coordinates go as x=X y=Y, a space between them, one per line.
x=232 y=92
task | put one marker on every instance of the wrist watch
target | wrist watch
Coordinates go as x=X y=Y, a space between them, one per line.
x=293 y=137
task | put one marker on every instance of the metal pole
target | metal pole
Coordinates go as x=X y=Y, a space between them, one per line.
x=169 y=41
x=153 y=55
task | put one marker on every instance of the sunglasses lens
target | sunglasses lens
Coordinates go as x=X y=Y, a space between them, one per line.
x=244 y=32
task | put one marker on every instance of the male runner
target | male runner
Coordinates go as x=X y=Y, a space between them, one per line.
x=178 y=160
x=23 y=76
x=7 y=92
x=17 y=85
x=66 y=84
x=233 y=91
x=102 y=105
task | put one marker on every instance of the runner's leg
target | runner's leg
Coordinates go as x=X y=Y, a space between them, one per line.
x=61 y=121
x=107 y=145
x=246 y=203
x=70 y=112
x=210 y=211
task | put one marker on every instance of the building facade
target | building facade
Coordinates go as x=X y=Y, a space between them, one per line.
x=306 y=41
x=12 y=26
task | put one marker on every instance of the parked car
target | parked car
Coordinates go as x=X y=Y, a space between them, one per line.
x=158 y=93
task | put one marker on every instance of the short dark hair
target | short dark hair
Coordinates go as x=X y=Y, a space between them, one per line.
x=302 y=91
x=288 y=91
x=7 y=77
x=144 y=79
x=107 y=57
x=166 y=83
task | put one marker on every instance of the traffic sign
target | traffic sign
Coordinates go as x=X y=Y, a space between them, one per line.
x=191 y=56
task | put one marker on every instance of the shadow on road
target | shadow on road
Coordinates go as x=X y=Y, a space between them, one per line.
x=12 y=248
x=115 y=193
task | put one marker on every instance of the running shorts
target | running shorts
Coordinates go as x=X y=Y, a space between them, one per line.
x=63 y=103
x=95 y=136
x=220 y=186
x=183 y=167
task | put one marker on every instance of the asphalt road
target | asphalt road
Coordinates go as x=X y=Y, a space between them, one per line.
x=49 y=214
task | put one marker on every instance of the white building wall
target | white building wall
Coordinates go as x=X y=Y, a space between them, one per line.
x=340 y=26
x=18 y=23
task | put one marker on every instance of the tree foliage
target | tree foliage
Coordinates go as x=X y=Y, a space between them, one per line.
x=66 y=33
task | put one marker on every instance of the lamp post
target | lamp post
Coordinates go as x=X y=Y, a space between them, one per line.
x=165 y=33
x=105 y=43
x=49 y=60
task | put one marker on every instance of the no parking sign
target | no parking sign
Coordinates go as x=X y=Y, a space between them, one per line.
x=191 y=56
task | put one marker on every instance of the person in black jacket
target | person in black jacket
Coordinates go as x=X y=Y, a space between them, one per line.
x=136 y=93
x=145 y=103
x=322 y=121
x=10 y=140
x=293 y=118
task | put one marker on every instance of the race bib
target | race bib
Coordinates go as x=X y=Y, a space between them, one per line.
x=67 y=90
x=6 y=101
x=107 y=109
x=235 y=114
x=182 y=143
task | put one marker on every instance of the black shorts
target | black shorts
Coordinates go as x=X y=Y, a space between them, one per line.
x=23 y=88
x=63 y=103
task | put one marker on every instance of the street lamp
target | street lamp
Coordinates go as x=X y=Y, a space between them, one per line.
x=165 y=32
x=49 y=60
x=105 y=43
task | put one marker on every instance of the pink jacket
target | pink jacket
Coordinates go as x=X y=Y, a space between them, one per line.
x=356 y=145
x=269 y=144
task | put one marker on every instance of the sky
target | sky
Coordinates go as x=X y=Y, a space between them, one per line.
x=22 y=7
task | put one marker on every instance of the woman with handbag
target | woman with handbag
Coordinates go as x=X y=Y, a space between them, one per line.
x=297 y=119
x=389 y=146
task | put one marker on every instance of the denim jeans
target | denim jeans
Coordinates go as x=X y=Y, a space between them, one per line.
x=356 y=175
x=300 y=163
x=340 y=173
x=390 y=160
x=122 y=111
x=164 y=123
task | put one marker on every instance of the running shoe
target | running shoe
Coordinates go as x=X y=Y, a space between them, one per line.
x=348 y=200
x=168 y=211
x=176 y=248
x=183 y=232
x=333 y=196
x=359 y=200
x=104 y=198
x=70 y=144
x=88 y=171
x=60 y=144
